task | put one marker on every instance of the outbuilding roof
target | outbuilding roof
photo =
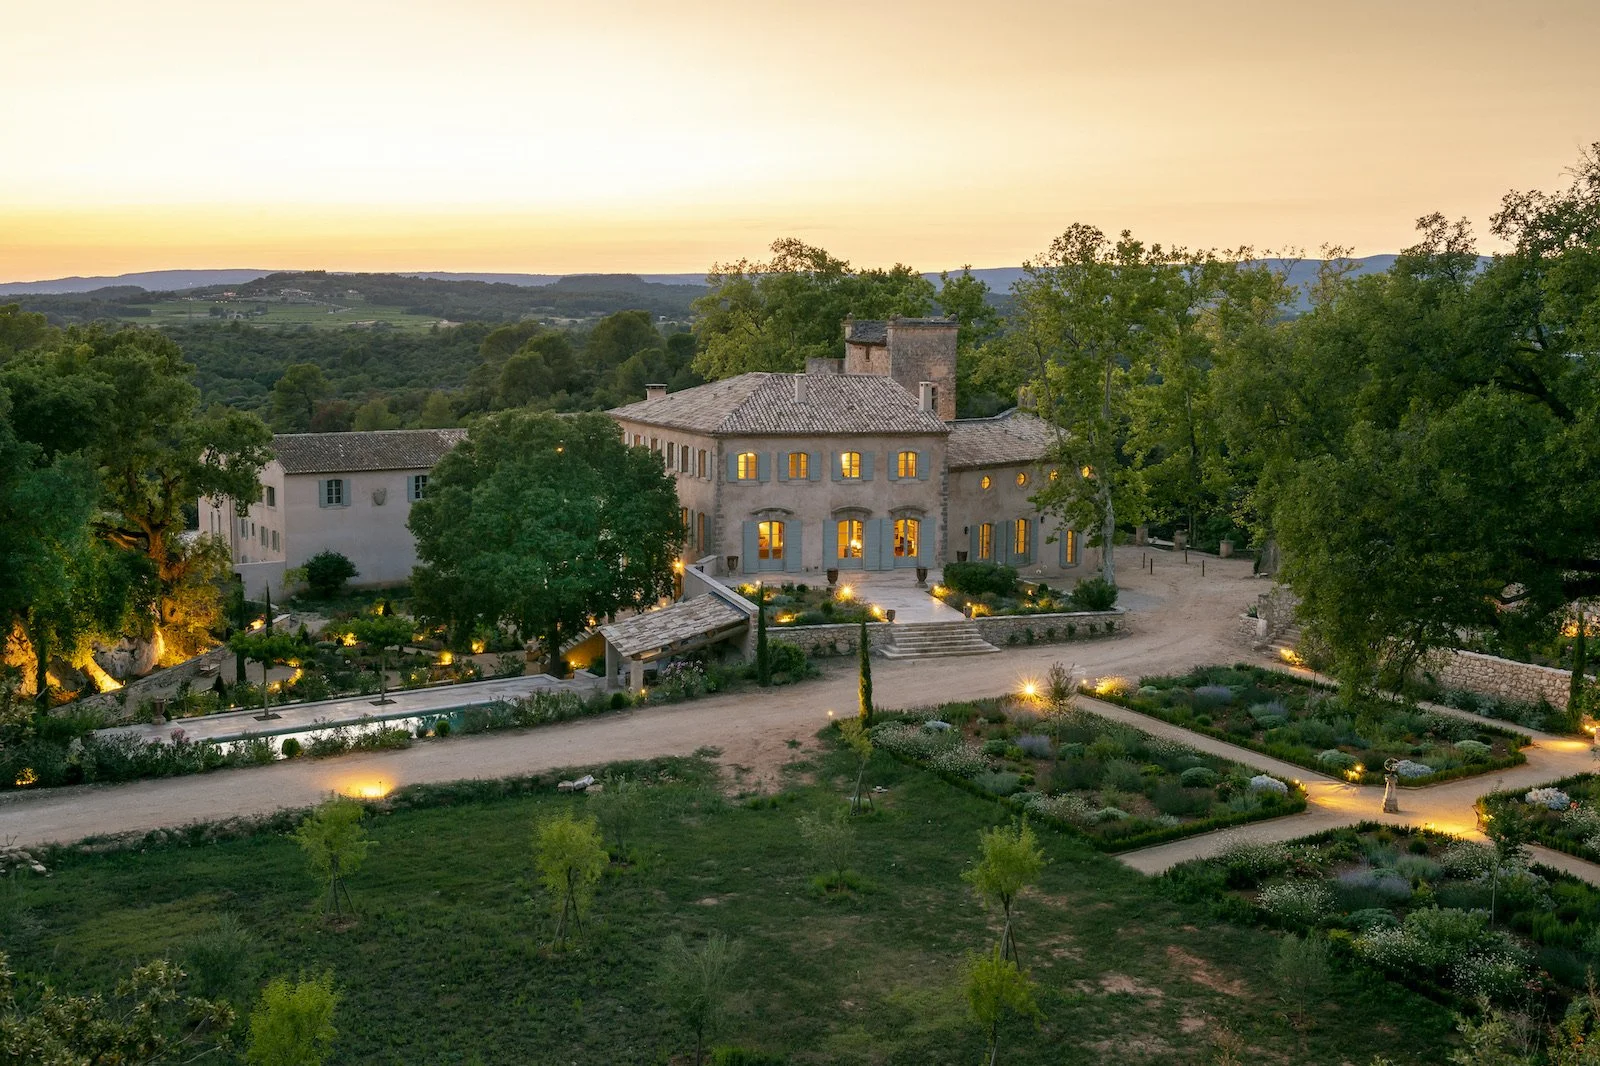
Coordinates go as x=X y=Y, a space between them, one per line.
x=1007 y=438
x=676 y=627
x=387 y=449
x=767 y=404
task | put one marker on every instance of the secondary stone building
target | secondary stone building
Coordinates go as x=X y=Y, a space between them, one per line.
x=345 y=492
x=855 y=464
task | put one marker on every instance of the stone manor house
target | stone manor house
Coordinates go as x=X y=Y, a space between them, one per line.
x=855 y=464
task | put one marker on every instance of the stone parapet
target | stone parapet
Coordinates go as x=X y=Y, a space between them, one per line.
x=1506 y=678
x=1000 y=630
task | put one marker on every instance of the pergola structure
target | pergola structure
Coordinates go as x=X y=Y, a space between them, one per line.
x=672 y=630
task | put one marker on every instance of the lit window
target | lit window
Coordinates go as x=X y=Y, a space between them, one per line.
x=1019 y=540
x=769 y=540
x=747 y=466
x=985 y=483
x=850 y=538
x=683 y=518
x=986 y=541
x=799 y=466
x=850 y=465
x=1069 y=548
x=907 y=464
x=1055 y=475
x=1022 y=477
x=418 y=487
x=1087 y=471
x=907 y=535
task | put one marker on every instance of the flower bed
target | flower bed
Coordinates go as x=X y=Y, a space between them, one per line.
x=800 y=604
x=1415 y=905
x=1311 y=725
x=1564 y=815
x=1116 y=786
x=982 y=589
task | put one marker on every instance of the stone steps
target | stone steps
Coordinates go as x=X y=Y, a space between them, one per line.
x=935 y=640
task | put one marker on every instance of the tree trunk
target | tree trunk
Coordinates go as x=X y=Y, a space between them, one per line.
x=552 y=652
x=1580 y=666
x=1108 y=531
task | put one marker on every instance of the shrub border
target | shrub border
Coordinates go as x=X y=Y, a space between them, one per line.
x=1369 y=777
x=1511 y=795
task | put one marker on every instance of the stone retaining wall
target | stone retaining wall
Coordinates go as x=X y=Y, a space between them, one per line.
x=827 y=640
x=1505 y=678
x=1247 y=631
x=1051 y=628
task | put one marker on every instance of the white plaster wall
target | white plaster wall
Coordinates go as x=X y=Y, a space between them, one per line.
x=1004 y=502
x=371 y=535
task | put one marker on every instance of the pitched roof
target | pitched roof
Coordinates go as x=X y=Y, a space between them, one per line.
x=765 y=403
x=681 y=624
x=387 y=449
x=1008 y=437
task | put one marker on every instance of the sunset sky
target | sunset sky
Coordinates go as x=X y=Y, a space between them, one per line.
x=497 y=135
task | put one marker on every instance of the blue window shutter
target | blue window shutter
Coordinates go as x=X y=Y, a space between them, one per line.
x=1003 y=532
x=833 y=465
x=814 y=466
x=791 y=546
x=1027 y=556
x=972 y=543
x=830 y=542
x=322 y=493
x=894 y=465
x=866 y=465
x=747 y=562
x=924 y=535
x=783 y=466
x=922 y=466
x=733 y=466
x=763 y=466
x=872 y=550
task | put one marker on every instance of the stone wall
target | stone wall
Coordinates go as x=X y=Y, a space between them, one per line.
x=998 y=629
x=1505 y=678
x=1247 y=631
x=822 y=641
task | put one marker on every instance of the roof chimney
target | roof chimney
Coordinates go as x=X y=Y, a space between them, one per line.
x=925 y=391
x=802 y=389
x=654 y=392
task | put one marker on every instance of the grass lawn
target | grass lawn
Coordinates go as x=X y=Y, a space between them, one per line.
x=1313 y=726
x=1118 y=786
x=449 y=961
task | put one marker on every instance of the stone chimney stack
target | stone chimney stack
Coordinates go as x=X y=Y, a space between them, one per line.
x=802 y=389
x=925 y=396
x=654 y=392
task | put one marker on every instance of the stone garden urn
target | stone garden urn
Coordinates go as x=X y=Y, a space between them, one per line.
x=833 y=576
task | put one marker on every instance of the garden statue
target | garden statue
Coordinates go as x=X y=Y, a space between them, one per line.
x=1391 y=793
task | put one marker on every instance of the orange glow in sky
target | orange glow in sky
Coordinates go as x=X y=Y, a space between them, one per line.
x=523 y=135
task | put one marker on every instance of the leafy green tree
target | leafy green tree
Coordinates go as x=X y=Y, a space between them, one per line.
x=1058 y=698
x=437 y=412
x=858 y=740
x=697 y=983
x=326 y=573
x=984 y=385
x=1011 y=861
x=148 y=1019
x=763 y=653
x=268 y=649
x=831 y=840
x=570 y=857
x=617 y=809
x=1487 y=1040
x=375 y=415
x=539 y=523
x=293 y=1023
x=994 y=988
x=775 y=315
x=1300 y=971
x=864 y=678
x=295 y=396
x=21 y=330
x=336 y=844
x=383 y=631
x=1508 y=832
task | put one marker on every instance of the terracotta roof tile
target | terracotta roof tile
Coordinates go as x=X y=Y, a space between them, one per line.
x=390 y=449
x=1009 y=437
x=766 y=404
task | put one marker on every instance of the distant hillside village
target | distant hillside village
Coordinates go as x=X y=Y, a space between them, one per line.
x=856 y=463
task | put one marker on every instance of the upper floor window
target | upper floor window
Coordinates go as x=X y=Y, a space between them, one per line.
x=984 y=483
x=270 y=494
x=1055 y=475
x=906 y=465
x=700 y=464
x=683 y=518
x=1022 y=478
x=748 y=467
x=850 y=465
x=700 y=530
x=986 y=541
x=655 y=444
x=672 y=454
x=769 y=540
x=799 y=466
x=274 y=540
x=907 y=538
x=638 y=439
x=683 y=458
x=333 y=493
x=416 y=487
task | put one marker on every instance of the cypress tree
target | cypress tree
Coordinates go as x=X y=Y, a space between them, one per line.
x=865 y=711
x=763 y=656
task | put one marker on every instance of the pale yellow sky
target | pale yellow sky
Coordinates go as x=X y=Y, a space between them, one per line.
x=640 y=135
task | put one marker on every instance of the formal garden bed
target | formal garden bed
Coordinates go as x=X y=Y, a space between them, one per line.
x=1564 y=815
x=988 y=589
x=449 y=956
x=1455 y=918
x=800 y=604
x=1541 y=715
x=1116 y=786
x=1311 y=725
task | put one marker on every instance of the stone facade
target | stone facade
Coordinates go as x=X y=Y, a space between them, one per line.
x=1506 y=678
x=999 y=629
x=909 y=350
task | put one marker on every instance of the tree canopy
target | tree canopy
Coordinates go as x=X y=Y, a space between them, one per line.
x=538 y=523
